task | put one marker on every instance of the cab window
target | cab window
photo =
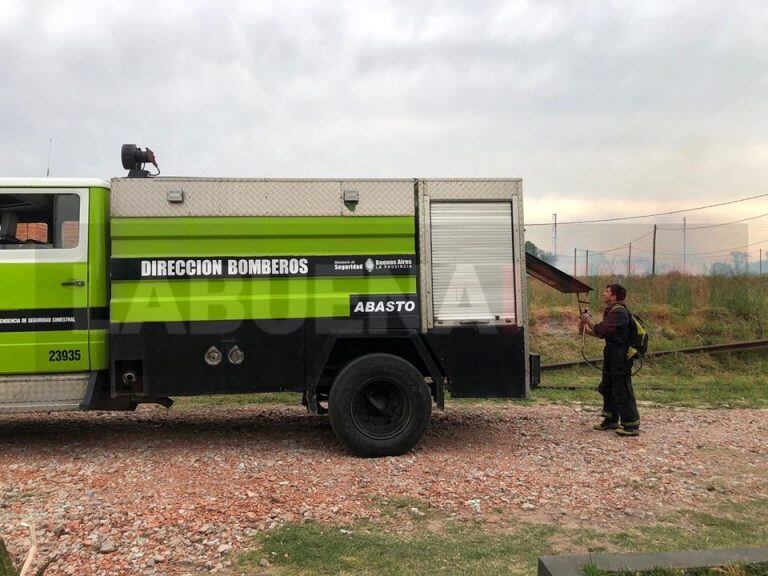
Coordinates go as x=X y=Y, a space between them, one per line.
x=39 y=221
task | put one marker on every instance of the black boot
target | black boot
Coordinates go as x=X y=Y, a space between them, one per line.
x=610 y=422
x=629 y=429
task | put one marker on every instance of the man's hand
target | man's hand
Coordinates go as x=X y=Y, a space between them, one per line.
x=586 y=324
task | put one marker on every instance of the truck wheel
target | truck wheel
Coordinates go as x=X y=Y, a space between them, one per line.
x=379 y=405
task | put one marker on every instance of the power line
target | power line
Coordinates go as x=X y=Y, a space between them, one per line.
x=651 y=215
x=721 y=224
x=625 y=244
x=667 y=229
x=706 y=253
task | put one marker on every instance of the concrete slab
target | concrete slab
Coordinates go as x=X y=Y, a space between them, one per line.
x=573 y=565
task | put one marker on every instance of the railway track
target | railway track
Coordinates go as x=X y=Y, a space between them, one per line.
x=710 y=349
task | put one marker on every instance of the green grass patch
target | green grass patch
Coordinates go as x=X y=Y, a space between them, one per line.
x=366 y=550
x=729 y=526
x=691 y=380
x=471 y=547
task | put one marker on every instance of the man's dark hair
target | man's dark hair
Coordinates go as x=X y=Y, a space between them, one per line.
x=618 y=290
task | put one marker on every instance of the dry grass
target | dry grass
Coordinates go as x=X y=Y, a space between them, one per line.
x=678 y=311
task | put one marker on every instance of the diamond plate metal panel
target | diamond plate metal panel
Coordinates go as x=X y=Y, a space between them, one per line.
x=493 y=189
x=42 y=392
x=209 y=197
x=425 y=256
x=382 y=197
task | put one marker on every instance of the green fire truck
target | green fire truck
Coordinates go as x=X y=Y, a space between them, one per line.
x=370 y=297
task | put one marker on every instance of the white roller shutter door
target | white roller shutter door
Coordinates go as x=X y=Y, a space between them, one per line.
x=472 y=262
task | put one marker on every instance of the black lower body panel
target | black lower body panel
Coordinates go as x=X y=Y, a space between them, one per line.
x=481 y=361
x=169 y=358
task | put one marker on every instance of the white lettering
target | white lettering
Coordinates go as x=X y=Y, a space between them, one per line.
x=146 y=268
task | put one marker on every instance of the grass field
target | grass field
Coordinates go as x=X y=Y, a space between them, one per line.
x=453 y=547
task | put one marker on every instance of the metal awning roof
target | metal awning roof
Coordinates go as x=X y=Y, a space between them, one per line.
x=554 y=277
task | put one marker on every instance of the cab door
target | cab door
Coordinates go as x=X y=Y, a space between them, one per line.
x=43 y=280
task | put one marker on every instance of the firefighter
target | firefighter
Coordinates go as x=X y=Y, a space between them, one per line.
x=619 y=404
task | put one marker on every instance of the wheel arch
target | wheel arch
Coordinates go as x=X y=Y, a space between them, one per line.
x=340 y=349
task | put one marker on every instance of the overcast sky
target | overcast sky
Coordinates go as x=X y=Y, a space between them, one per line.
x=654 y=104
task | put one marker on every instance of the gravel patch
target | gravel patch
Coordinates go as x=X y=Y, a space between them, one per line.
x=176 y=492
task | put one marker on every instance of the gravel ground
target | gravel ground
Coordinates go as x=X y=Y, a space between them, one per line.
x=182 y=491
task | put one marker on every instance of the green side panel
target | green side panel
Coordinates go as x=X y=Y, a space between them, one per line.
x=267 y=298
x=30 y=352
x=236 y=299
x=267 y=236
x=38 y=285
x=99 y=347
x=98 y=256
x=98 y=272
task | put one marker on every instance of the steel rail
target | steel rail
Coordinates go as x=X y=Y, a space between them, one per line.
x=710 y=349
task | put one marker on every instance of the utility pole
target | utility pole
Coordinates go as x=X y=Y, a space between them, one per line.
x=586 y=265
x=761 y=262
x=653 y=260
x=48 y=169
x=574 y=262
x=554 y=236
x=685 y=245
x=629 y=261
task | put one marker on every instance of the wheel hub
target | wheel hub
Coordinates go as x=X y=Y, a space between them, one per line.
x=381 y=409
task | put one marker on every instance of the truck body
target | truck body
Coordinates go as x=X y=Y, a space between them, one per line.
x=370 y=297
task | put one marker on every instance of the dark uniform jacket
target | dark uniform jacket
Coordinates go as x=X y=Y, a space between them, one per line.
x=615 y=326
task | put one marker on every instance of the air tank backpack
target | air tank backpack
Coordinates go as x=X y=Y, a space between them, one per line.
x=638 y=336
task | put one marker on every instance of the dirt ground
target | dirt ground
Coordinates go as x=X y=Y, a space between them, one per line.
x=180 y=491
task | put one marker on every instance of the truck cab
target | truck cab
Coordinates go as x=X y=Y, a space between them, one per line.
x=53 y=281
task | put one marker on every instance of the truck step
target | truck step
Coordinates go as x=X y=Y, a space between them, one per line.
x=42 y=392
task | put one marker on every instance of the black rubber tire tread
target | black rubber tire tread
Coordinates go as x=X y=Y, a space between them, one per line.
x=354 y=375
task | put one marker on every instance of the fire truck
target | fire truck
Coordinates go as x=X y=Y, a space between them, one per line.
x=372 y=297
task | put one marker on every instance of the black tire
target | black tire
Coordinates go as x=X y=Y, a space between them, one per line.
x=379 y=405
